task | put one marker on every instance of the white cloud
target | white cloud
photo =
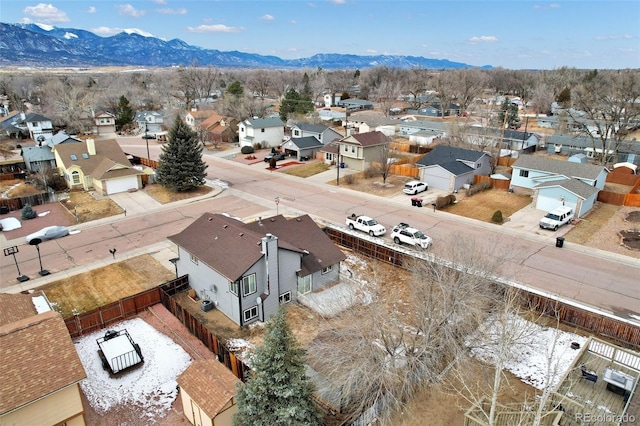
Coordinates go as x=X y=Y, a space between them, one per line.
x=107 y=31
x=160 y=1
x=267 y=17
x=169 y=11
x=92 y=9
x=45 y=13
x=547 y=6
x=294 y=22
x=615 y=37
x=372 y=51
x=217 y=28
x=339 y=1
x=127 y=9
x=483 y=39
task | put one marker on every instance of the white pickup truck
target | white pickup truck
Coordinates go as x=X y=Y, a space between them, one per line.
x=365 y=224
x=404 y=234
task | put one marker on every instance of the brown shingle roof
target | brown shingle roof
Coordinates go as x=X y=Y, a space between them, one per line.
x=223 y=243
x=367 y=139
x=38 y=358
x=108 y=163
x=302 y=232
x=14 y=307
x=210 y=384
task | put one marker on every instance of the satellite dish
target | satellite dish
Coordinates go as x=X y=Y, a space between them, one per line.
x=259 y=300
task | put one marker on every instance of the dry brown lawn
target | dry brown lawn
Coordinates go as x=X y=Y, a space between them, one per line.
x=15 y=188
x=593 y=222
x=306 y=170
x=373 y=186
x=483 y=205
x=164 y=195
x=85 y=208
x=101 y=286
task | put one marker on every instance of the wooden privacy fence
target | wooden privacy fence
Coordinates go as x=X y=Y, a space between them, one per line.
x=632 y=198
x=128 y=307
x=104 y=316
x=495 y=183
x=593 y=322
x=409 y=170
x=32 y=200
x=195 y=327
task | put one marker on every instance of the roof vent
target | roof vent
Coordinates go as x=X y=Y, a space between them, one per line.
x=241 y=234
x=225 y=226
x=210 y=219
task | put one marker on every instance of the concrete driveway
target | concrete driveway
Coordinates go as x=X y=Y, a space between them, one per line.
x=527 y=220
x=135 y=202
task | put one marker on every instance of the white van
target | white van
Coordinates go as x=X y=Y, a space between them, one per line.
x=415 y=186
x=556 y=218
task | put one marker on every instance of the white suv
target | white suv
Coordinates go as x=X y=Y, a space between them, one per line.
x=415 y=186
x=556 y=218
x=404 y=234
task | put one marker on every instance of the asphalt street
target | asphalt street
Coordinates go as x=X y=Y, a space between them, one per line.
x=597 y=280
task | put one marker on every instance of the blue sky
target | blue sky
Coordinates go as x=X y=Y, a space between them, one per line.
x=513 y=34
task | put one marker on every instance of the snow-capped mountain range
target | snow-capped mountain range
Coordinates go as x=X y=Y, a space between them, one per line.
x=38 y=45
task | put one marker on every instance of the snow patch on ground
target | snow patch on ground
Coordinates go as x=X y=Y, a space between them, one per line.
x=44 y=213
x=10 y=223
x=150 y=386
x=541 y=349
x=242 y=349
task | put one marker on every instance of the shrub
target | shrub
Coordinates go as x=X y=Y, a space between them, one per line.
x=28 y=213
x=445 y=200
x=349 y=179
x=497 y=217
x=371 y=172
x=479 y=187
x=247 y=149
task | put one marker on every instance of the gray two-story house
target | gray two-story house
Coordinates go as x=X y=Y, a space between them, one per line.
x=449 y=168
x=248 y=269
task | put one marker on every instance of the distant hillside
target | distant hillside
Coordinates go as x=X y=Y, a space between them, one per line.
x=41 y=46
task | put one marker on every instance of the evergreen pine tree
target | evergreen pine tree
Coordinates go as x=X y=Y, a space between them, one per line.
x=181 y=167
x=279 y=392
x=28 y=212
x=125 y=112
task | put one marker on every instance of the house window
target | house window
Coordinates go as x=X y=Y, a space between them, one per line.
x=478 y=166
x=346 y=148
x=296 y=132
x=329 y=156
x=250 y=314
x=75 y=178
x=327 y=269
x=193 y=259
x=304 y=284
x=73 y=157
x=353 y=149
x=233 y=287
x=524 y=173
x=285 y=297
x=248 y=285
x=262 y=130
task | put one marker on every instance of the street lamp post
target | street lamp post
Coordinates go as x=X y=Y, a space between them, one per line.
x=146 y=138
x=36 y=242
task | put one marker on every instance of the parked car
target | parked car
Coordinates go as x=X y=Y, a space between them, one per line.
x=48 y=233
x=148 y=136
x=277 y=155
x=556 y=218
x=404 y=234
x=415 y=186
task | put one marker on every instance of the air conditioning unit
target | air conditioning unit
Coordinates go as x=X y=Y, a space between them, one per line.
x=207 y=305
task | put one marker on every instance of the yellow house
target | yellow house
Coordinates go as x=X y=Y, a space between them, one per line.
x=39 y=367
x=208 y=391
x=101 y=166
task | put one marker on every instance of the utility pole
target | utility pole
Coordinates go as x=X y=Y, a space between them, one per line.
x=346 y=123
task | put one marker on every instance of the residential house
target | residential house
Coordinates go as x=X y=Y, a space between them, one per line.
x=41 y=155
x=331 y=99
x=331 y=116
x=323 y=134
x=268 y=132
x=194 y=117
x=32 y=125
x=356 y=104
x=40 y=369
x=449 y=168
x=207 y=392
x=628 y=151
x=360 y=150
x=330 y=153
x=303 y=148
x=153 y=121
x=368 y=122
x=248 y=269
x=555 y=183
x=100 y=166
x=423 y=132
x=104 y=123
x=435 y=110
x=220 y=129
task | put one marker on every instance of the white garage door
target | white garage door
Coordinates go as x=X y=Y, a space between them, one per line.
x=115 y=186
x=551 y=203
x=437 y=181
